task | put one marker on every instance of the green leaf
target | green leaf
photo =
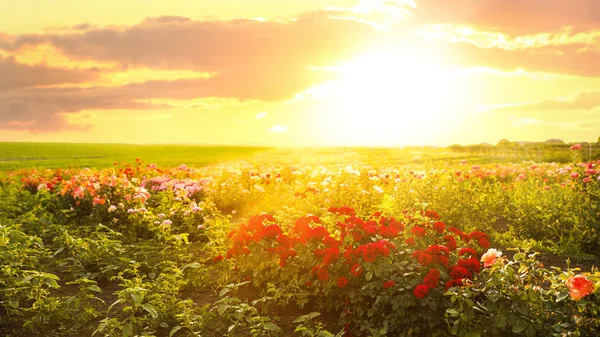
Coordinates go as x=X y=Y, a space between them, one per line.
x=51 y=282
x=194 y=265
x=307 y=317
x=562 y=296
x=101 y=327
x=58 y=251
x=369 y=275
x=270 y=326
x=94 y=288
x=519 y=326
x=114 y=303
x=452 y=312
x=501 y=321
x=150 y=309
x=13 y=304
x=222 y=308
x=137 y=298
x=127 y=330
x=174 y=330
x=224 y=292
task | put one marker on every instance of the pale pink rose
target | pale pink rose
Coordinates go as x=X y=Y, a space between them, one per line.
x=490 y=257
x=576 y=147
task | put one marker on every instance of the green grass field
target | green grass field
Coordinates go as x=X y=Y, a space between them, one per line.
x=16 y=156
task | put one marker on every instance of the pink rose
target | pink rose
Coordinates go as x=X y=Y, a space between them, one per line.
x=490 y=257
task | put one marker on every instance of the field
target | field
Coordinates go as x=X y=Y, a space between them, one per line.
x=126 y=240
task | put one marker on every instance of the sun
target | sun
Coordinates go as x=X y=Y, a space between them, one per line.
x=391 y=98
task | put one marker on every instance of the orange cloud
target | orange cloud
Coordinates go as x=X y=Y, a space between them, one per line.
x=15 y=75
x=514 y=17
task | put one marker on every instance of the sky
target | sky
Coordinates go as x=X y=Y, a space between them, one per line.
x=300 y=73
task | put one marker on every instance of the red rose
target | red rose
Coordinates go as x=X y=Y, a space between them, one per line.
x=319 y=233
x=421 y=290
x=356 y=270
x=439 y=227
x=342 y=281
x=273 y=231
x=443 y=260
x=388 y=232
x=460 y=272
x=450 y=242
x=331 y=242
x=388 y=284
x=418 y=231
x=579 y=287
x=476 y=235
x=473 y=265
x=323 y=273
x=424 y=259
x=454 y=283
x=484 y=243
x=347 y=210
x=432 y=214
x=218 y=258
x=432 y=278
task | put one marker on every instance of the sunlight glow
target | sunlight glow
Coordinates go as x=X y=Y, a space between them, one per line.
x=390 y=98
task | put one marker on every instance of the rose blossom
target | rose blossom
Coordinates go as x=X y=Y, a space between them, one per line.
x=490 y=257
x=579 y=287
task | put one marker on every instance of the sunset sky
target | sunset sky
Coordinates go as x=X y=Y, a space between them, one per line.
x=291 y=72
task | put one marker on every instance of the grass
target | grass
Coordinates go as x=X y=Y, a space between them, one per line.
x=16 y=156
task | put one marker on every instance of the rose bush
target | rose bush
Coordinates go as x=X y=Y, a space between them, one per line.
x=378 y=272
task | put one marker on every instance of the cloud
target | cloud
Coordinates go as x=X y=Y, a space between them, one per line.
x=250 y=60
x=514 y=17
x=42 y=110
x=261 y=115
x=245 y=52
x=526 y=121
x=550 y=59
x=81 y=26
x=588 y=100
x=499 y=39
x=14 y=75
x=279 y=129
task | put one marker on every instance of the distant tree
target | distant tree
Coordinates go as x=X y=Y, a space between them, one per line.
x=456 y=148
x=504 y=143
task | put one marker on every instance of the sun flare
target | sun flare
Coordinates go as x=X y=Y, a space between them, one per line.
x=391 y=98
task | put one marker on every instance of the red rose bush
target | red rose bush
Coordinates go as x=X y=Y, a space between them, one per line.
x=389 y=271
